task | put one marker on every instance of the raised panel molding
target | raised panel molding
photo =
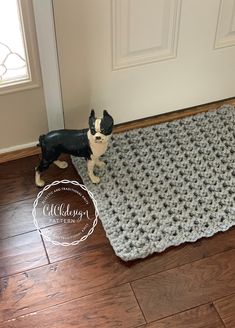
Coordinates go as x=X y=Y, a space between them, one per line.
x=144 y=31
x=225 y=35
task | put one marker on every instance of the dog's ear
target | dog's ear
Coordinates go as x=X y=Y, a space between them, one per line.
x=105 y=113
x=91 y=120
x=108 y=117
x=92 y=114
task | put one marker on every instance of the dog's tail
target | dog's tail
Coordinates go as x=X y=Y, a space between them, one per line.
x=41 y=142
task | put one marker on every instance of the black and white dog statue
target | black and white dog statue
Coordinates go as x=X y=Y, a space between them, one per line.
x=88 y=143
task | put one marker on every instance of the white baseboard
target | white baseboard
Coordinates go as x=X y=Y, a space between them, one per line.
x=18 y=147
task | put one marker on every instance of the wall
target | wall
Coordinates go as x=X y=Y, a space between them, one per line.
x=22 y=117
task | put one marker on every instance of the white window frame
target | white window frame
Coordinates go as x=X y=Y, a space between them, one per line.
x=31 y=51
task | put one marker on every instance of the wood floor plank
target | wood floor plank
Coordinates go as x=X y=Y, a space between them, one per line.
x=226 y=310
x=111 y=308
x=95 y=241
x=17 y=180
x=16 y=215
x=16 y=218
x=21 y=253
x=204 y=316
x=94 y=271
x=188 y=286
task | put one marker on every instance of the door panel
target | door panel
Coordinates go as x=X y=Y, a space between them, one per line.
x=144 y=31
x=225 y=35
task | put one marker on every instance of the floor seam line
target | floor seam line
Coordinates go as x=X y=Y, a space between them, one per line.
x=216 y=310
x=145 y=319
x=44 y=246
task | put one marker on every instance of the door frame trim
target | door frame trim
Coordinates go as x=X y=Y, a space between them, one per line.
x=46 y=37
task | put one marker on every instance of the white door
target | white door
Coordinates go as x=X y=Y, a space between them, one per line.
x=140 y=58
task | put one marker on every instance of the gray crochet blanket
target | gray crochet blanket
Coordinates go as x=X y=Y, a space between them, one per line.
x=167 y=184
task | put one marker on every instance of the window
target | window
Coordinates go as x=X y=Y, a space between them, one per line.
x=18 y=58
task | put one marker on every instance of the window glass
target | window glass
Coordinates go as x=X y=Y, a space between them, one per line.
x=13 y=55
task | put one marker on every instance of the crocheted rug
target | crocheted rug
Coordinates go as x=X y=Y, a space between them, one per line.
x=167 y=184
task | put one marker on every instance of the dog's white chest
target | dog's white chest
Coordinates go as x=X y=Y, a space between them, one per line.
x=98 y=149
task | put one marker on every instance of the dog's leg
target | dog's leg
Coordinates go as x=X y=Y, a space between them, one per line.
x=46 y=161
x=38 y=170
x=61 y=164
x=99 y=163
x=90 y=168
x=38 y=181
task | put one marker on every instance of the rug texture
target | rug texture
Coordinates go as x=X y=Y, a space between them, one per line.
x=167 y=184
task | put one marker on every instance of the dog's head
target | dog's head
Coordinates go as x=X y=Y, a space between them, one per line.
x=100 y=128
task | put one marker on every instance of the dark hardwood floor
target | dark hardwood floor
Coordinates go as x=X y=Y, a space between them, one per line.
x=43 y=285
